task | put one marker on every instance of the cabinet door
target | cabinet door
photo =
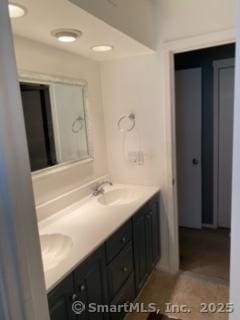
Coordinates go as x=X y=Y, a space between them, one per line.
x=146 y=236
x=155 y=221
x=152 y=234
x=90 y=285
x=140 y=252
x=60 y=301
x=149 y=240
x=125 y=295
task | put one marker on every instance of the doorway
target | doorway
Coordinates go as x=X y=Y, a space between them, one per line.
x=204 y=83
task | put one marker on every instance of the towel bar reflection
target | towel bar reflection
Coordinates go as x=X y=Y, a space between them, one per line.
x=77 y=124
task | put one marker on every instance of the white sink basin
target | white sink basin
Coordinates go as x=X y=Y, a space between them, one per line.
x=55 y=248
x=119 y=197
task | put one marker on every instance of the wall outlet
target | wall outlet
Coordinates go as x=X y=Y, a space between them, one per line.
x=136 y=158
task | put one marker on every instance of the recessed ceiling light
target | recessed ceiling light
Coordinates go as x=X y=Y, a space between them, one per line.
x=66 y=35
x=102 y=48
x=16 y=10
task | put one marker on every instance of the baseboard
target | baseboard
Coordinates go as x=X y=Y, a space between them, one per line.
x=164 y=268
x=210 y=226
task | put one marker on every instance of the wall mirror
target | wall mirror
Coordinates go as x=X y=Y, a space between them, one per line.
x=56 y=120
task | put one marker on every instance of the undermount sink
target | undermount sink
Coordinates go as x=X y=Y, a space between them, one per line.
x=55 y=248
x=119 y=197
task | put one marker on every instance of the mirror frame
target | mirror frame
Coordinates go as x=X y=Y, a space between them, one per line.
x=40 y=78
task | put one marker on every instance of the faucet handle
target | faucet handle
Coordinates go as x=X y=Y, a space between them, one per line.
x=98 y=189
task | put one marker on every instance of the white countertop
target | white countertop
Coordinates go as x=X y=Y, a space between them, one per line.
x=89 y=224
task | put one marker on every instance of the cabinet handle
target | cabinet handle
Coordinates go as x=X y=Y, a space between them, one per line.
x=82 y=288
x=74 y=297
x=125 y=269
x=123 y=240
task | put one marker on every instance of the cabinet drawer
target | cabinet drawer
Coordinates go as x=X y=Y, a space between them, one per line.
x=125 y=295
x=119 y=270
x=118 y=240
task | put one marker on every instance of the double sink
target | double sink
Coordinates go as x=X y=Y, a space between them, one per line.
x=56 y=247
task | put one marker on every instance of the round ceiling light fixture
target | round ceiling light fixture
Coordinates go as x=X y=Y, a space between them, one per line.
x=102 y=48
x=66 y=35
x=16 y=10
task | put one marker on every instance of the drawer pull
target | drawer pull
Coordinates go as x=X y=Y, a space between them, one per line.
x=123 y=239
x=125 y=269
x=82 y=288
x=74 y=297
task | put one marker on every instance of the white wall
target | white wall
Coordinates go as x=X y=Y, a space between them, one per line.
x=134 y=85
x=185 y=18
x=138 y=84
x=37 y=57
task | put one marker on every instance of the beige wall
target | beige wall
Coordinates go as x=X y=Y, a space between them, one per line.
x=37 y=57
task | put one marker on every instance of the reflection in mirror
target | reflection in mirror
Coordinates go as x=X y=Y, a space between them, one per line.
x=55 y=120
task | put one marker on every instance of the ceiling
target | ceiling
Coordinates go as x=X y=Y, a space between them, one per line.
x=46 y=15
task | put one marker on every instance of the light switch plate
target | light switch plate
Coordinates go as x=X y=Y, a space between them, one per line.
x=136 y=158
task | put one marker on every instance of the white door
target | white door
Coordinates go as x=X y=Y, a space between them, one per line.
x=224 y=100
x=188 y=133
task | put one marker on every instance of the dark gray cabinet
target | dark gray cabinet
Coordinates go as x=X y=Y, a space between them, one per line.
x=120 y=270
x=90 y=284
x=140 y=248
x=86 y=284
x=115 y=273
x=146 y=239
x=60 y=300
x=125 y=295
x=118 y=241
x=154 y=213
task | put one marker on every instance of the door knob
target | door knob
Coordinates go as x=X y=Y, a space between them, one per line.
x=195 y=161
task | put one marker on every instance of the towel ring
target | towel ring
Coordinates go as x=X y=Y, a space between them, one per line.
x=131 y=117
x=77 y=124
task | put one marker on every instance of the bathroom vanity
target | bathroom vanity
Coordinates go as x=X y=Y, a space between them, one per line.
x=98 y=246
x=116 y=270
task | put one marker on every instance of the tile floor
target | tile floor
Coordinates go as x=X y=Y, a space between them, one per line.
x=183 y=289
x=205 y=252
x=203 y=279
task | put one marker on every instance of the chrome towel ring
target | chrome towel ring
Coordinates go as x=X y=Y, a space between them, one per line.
x=131 y=117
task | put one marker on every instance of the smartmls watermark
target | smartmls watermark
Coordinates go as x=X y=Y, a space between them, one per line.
x=79 y=307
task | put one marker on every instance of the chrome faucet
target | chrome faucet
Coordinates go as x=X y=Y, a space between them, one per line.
x=99 y=188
